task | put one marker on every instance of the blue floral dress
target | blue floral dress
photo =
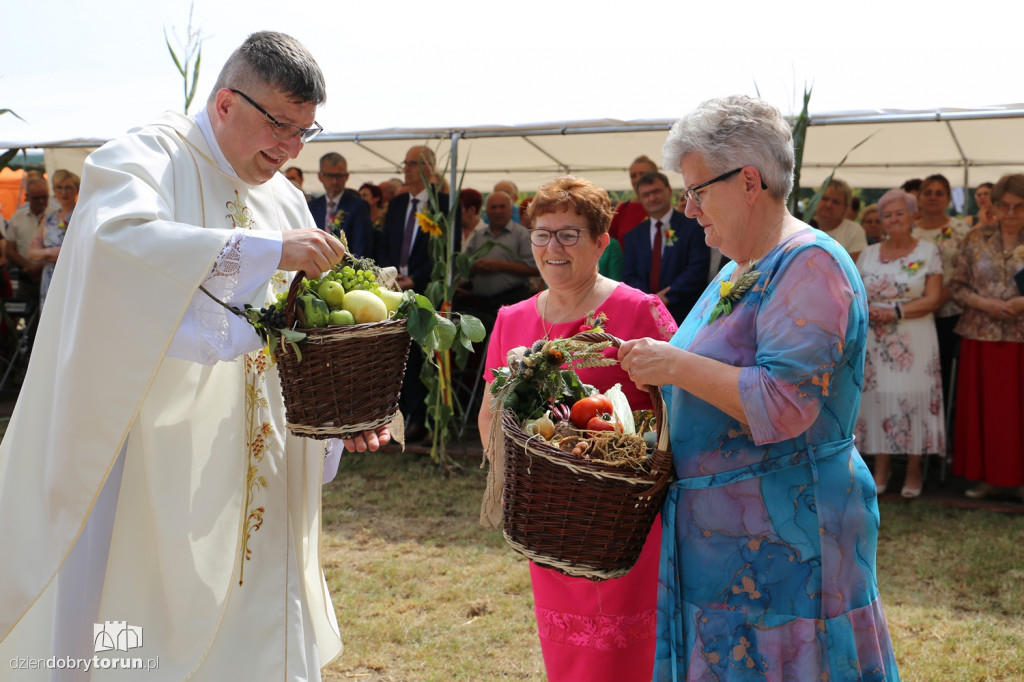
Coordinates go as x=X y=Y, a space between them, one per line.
x=54 y=231
x=770 y=533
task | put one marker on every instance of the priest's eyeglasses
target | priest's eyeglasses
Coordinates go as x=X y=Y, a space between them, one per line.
x=283 y=131
x=566 y=237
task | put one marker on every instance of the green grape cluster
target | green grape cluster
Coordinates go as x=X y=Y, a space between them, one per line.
x=351 y=278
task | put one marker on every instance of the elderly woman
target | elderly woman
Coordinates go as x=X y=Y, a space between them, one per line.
x=588 y=630
x=872 y=224
x=989 y=283
x=46 y=245
x=901 y=409
x=770 y=532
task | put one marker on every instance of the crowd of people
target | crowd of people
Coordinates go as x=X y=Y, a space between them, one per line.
x=906 y=246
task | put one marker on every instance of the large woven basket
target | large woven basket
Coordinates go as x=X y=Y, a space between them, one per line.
x=349 y=377
x=578 y=517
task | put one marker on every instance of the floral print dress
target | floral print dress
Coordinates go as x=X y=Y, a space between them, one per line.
x=901 y=410
x=771 y=530
x=54 y=231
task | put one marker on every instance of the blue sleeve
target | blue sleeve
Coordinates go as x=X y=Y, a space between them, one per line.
x=801 y=332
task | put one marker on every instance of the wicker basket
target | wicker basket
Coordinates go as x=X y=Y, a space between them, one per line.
x=578 y=517
x=349 y=378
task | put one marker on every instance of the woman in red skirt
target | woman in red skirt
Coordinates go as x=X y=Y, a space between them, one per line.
x=989 y=285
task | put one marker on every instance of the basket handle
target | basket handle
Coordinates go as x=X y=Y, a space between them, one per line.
x=655 y=392
x=290 y=304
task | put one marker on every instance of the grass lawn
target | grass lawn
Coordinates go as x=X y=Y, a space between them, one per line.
x=424 y=593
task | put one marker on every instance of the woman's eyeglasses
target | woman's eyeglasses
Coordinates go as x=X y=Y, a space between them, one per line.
x=566 y=237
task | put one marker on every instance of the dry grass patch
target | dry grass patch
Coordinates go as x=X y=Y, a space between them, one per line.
x=422 y=591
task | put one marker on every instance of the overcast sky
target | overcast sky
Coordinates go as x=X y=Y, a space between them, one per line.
x=97 y=67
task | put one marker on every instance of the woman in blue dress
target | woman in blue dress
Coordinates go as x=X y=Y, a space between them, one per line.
x=768 y=554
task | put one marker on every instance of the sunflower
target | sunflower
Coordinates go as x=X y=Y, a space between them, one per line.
x=428 y=224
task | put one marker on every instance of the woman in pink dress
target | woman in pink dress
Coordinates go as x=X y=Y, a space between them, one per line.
x=588 y=630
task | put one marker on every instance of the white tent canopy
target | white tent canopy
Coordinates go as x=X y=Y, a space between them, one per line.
x=969 y=146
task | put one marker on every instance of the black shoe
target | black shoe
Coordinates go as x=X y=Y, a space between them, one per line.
x=414 y=433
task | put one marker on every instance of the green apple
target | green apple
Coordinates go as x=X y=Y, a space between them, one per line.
x=365 y=306
x=339 y=318
x=333 y=294
x=392 y=299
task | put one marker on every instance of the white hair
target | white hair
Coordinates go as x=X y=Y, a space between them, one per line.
x=732 y=132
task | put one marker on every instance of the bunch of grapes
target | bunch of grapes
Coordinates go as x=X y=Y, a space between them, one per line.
x=351 y=278
x=273 y=317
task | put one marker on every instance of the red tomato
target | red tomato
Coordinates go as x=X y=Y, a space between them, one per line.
x=599 y=424
x=587 y=408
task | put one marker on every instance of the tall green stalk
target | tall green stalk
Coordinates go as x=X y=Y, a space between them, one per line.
x=192 y=49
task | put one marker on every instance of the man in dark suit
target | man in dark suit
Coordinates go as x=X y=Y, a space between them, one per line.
x=403 y=245
x=340 y=209
x=666 y=254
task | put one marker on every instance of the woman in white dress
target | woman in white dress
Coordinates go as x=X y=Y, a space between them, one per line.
x=901 y=409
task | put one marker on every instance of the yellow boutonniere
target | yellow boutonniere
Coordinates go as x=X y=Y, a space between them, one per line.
x=730 y=292
x=339 y=218
x=946 y=233
x=911 y=268
x=669 y=237
x=428 y=225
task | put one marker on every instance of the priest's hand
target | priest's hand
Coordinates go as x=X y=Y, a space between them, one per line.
x=311 y=250
x=369 y=440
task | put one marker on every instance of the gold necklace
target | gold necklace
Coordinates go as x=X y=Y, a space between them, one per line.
x=544 y=315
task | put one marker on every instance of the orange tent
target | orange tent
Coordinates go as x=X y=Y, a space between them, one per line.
x=10 y=190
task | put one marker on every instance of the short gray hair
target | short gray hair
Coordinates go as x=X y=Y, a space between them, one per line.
x=732 y=132
x=333 y=159
x=275 y=59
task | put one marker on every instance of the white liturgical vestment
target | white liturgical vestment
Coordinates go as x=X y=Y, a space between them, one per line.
x=211 y=510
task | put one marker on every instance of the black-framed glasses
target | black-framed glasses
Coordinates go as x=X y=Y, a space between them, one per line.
x=335 y=176
x=691 y=194
x=566 y=237
x=282 y=131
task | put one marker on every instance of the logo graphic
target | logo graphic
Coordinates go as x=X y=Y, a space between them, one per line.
x=116 y=634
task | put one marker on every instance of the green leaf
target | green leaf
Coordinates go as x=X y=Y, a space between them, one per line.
x=472 y=328
x=463 y=264
x=421 y=322
x=11 y=112
x=812 y=205
x=462 y=352
x=446 y=332
x=7 y=156
x=424 y=302
x=174 y=56
x=293 y=335
x=431 y=342
x=465 y=342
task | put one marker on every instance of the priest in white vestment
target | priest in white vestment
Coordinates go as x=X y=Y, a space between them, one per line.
x=155 y=514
